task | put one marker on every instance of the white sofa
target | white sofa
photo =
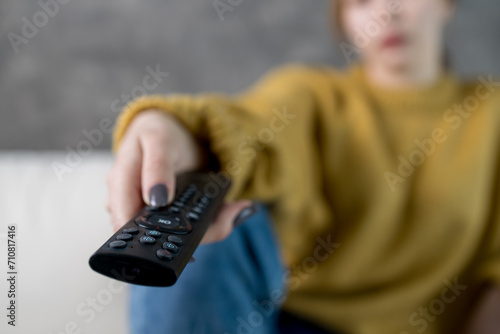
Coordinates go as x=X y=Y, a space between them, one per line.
x=59 y=225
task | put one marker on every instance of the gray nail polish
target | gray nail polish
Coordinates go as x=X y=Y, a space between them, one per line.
x=158 y=196
x=245 y=214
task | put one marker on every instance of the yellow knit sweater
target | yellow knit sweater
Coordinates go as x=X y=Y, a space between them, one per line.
x=386 y=202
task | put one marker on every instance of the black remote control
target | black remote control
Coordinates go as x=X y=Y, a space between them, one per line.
x=154 y=247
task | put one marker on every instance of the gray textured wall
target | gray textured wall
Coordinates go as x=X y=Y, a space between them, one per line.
x=65 y=77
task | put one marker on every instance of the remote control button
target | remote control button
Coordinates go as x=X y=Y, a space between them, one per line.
x=131 y=230
x=153 y=233
x=124 y=237
x=117 y=244
x=170 y=247
x=179 y=204
x=185 y=201
x=174 y=209
x=197 y=210
x=193 y=216
x=164 y=254
x=184 y=197
x=203 y=202
x=147 y=240
x=190 y=191
x=164 y=221
x=175 y=239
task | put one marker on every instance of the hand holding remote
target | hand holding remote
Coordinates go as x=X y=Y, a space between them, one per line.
x=154 y=246
x=153 y=150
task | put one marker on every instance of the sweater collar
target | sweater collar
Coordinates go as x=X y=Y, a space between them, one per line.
x=441 y=94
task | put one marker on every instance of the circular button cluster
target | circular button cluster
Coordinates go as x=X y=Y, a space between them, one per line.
x=164 y=223
x=169 y=248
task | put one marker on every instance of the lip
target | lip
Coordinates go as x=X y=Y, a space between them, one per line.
x=393 y=41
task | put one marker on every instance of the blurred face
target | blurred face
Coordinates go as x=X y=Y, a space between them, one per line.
x=395 y=33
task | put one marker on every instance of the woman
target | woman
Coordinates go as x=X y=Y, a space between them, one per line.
x=382 y=182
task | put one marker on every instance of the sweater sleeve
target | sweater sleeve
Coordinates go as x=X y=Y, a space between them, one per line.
x=254 y=136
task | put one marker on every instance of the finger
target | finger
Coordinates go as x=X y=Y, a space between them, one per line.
x=107 y=204
x=230 y=215
x=125 y=190
x=158 y=174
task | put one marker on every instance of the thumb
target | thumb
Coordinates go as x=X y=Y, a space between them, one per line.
x=230 y=216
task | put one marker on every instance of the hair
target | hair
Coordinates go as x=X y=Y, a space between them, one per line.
x=337 y=25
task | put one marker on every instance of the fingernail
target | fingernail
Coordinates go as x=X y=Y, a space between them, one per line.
x=245 y=214
x=158 y=196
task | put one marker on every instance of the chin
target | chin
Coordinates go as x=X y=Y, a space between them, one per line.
x=396 y=58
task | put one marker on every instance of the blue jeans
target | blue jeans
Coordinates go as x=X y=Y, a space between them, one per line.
x=234 y=287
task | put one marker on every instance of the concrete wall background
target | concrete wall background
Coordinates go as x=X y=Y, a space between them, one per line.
x=66 y=77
